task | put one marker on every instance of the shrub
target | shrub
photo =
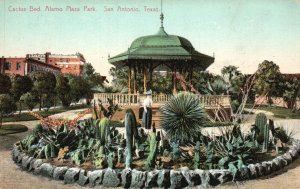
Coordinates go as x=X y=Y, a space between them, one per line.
x=7 y=106
x=182 y=117
x=30 y=100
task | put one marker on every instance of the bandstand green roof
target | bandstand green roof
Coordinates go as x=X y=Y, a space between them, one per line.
x=162 y=47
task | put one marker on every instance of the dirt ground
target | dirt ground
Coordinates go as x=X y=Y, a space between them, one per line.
x=12 y=177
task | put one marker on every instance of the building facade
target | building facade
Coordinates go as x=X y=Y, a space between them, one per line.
x=24 y=66
x=69 y=64
x=56 y=63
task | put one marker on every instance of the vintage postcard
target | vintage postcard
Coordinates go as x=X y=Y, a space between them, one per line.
x=149 y=93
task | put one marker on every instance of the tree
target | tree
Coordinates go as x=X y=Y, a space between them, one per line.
x=237 y=91
x=79 y=88
x=93 y=78
x=120 y=76
x=7 y=106
x=88 y=70
x=161 y=83
x=20 y=85
x=5 y=84
x=30 y=100
x=217 y=86
x=267 y=79
x=43 y=84
x=201 y=80
x=291 y=91
x=230 y=72
x=63 y=90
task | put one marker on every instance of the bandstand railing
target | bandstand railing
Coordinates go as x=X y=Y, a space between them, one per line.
x=208 y=101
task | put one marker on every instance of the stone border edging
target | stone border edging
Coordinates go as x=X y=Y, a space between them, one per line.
x=156 y=178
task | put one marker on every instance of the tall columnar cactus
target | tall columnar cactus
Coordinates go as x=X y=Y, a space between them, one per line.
x=210 y=154
x=131 y=130
x=263 y=127
x=102 y=135
x=100 y=161
x=197 y=155
x=103 y=130
x=154 y=140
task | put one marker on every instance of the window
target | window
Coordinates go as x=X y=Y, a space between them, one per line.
x=74 y=67
x=7 y=66
x=18 y=66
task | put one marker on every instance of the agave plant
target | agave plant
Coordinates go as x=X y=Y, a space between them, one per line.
x=182 y=117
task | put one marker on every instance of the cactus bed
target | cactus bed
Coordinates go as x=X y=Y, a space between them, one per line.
x=94 y=152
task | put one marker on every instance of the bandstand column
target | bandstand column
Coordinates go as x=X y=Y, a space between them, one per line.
x=174 y=81
x=145 y=79
x=134 y=79
x=151 y=73
x=129 y=79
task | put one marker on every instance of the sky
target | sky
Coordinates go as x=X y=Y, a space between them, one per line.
x=237 y=32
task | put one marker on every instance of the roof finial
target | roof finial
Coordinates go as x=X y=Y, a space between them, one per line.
x=161 y=14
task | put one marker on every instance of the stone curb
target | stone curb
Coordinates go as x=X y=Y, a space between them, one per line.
x=132 y=178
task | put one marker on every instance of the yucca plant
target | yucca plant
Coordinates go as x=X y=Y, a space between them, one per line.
x=182 y=117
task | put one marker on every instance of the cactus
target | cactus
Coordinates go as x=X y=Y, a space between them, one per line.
x=197 y=155
x=210 y=154
x=154 y=140
x=100 y=161
x=96 y=114
x=175 y=153
x=131 y=131
x=120 y=155
x=103 y=131
x=111 y=160
x=263 y=127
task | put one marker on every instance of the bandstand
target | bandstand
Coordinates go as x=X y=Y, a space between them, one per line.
x=173 y=53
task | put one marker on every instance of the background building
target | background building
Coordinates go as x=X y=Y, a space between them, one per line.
x=56 y=63
x=69 y=64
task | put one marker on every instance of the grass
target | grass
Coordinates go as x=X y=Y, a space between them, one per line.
x=12 y=128
x=280 y=112
x=27 y=117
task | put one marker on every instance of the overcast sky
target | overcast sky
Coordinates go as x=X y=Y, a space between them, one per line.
x=238 y=32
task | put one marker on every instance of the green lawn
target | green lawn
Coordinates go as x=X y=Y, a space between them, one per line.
x=27 y=117
x=12 y=128
x=280 y=112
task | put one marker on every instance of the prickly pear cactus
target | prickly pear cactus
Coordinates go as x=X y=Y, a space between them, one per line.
x=197 y=155
x=262 y=125
x=131 y=130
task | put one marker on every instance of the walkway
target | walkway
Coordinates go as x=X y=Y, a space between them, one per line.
x=12 y=177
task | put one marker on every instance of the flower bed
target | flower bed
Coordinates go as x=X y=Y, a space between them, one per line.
x=155 y=178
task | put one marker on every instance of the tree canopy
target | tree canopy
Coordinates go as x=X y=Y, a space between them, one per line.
x=5 y=84
x=267 y=79
x=7 y=106
x=43 y=84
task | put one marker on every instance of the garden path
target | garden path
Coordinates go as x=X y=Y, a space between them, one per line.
x=12 y=177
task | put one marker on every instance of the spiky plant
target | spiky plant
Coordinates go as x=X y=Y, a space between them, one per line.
x=182 y=117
